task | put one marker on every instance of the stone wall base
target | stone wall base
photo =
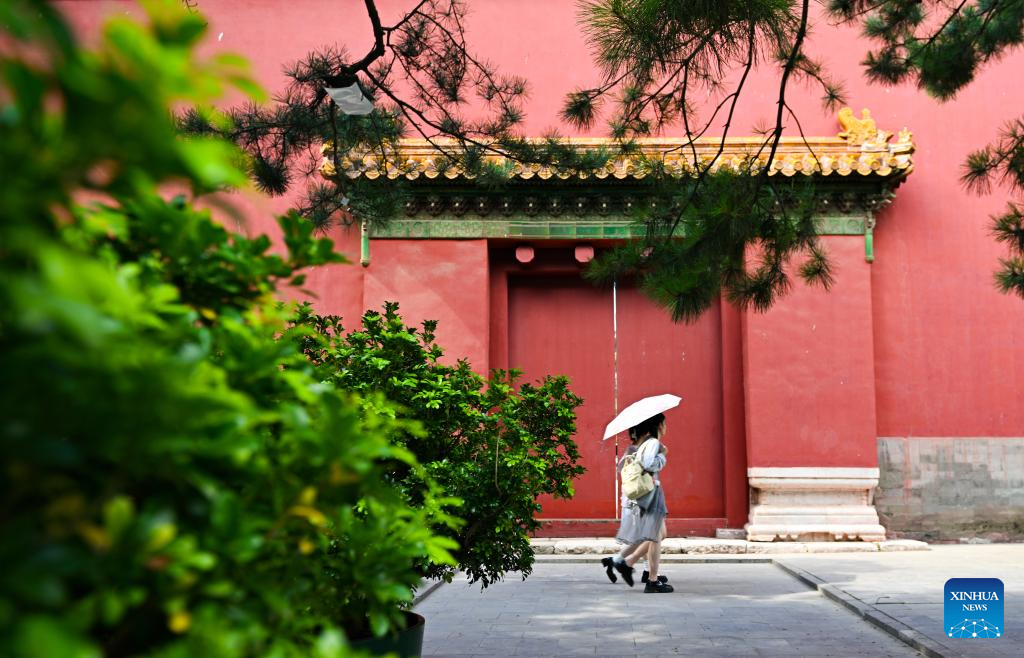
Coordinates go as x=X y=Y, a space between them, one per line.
x=813 y=504
x=952 y=489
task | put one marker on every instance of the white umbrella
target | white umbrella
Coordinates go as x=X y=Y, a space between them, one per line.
x=640 y=411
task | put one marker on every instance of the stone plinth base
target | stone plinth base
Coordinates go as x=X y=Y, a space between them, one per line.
x=813 y=504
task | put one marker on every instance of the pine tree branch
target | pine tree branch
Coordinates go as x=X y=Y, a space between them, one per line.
x=348 y=71
x=686 y=117
x=866 y=9
x=787 y=71
x=803 y=137
x=683 y=66
x=949 y=19
x=376 y=52
x=400 y=24
x=693 y=137
x=417 y=117
x=461 y=44
x=748 y=66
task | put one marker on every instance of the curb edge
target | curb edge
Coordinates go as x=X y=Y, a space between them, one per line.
x=869 y=613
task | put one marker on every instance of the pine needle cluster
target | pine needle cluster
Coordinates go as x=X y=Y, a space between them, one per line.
x=939 y=44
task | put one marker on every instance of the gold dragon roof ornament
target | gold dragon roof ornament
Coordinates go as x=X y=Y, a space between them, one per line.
x=862 y=131
x=860 y=149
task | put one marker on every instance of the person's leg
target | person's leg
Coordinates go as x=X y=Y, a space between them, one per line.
x=654 y=584
x=639 y=551
x=626 y=551
x=610 y=563
x=625 y=565
x=654 y=554
x=629 y=550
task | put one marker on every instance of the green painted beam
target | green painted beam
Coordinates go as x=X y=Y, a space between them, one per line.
x=557 y=228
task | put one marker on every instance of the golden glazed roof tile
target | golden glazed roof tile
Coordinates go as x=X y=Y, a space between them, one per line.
x=859 y=149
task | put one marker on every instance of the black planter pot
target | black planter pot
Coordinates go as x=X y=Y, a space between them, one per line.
x=407 y=643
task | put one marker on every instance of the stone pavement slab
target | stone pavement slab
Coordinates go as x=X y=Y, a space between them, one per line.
x=709 y=546
x=909 y=587
x=566 y=609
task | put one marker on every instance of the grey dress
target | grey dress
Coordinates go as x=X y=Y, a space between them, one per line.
x=642 y=519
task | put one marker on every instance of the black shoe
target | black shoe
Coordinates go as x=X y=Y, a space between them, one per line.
x=608 y=568
x=647 y=576
x=625 y=571
x=658 y=588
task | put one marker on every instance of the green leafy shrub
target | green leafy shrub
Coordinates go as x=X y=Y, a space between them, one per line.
x=493 y=445
x=177 y=478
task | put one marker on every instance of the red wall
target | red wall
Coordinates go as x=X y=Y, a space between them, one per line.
x=443 y=280
x=949 y=353
x=338 y=289
x=810 y=388
x=559 y=324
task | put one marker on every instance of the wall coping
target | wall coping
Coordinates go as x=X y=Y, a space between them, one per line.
x=860 y=148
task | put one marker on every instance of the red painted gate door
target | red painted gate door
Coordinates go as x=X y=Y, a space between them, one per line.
x=617 y=347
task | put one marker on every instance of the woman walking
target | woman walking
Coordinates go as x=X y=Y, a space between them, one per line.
x=643 y=521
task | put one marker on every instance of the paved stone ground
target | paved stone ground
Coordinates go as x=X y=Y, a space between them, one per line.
x=910 y=586
x=711 y=546
x=730 y=609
